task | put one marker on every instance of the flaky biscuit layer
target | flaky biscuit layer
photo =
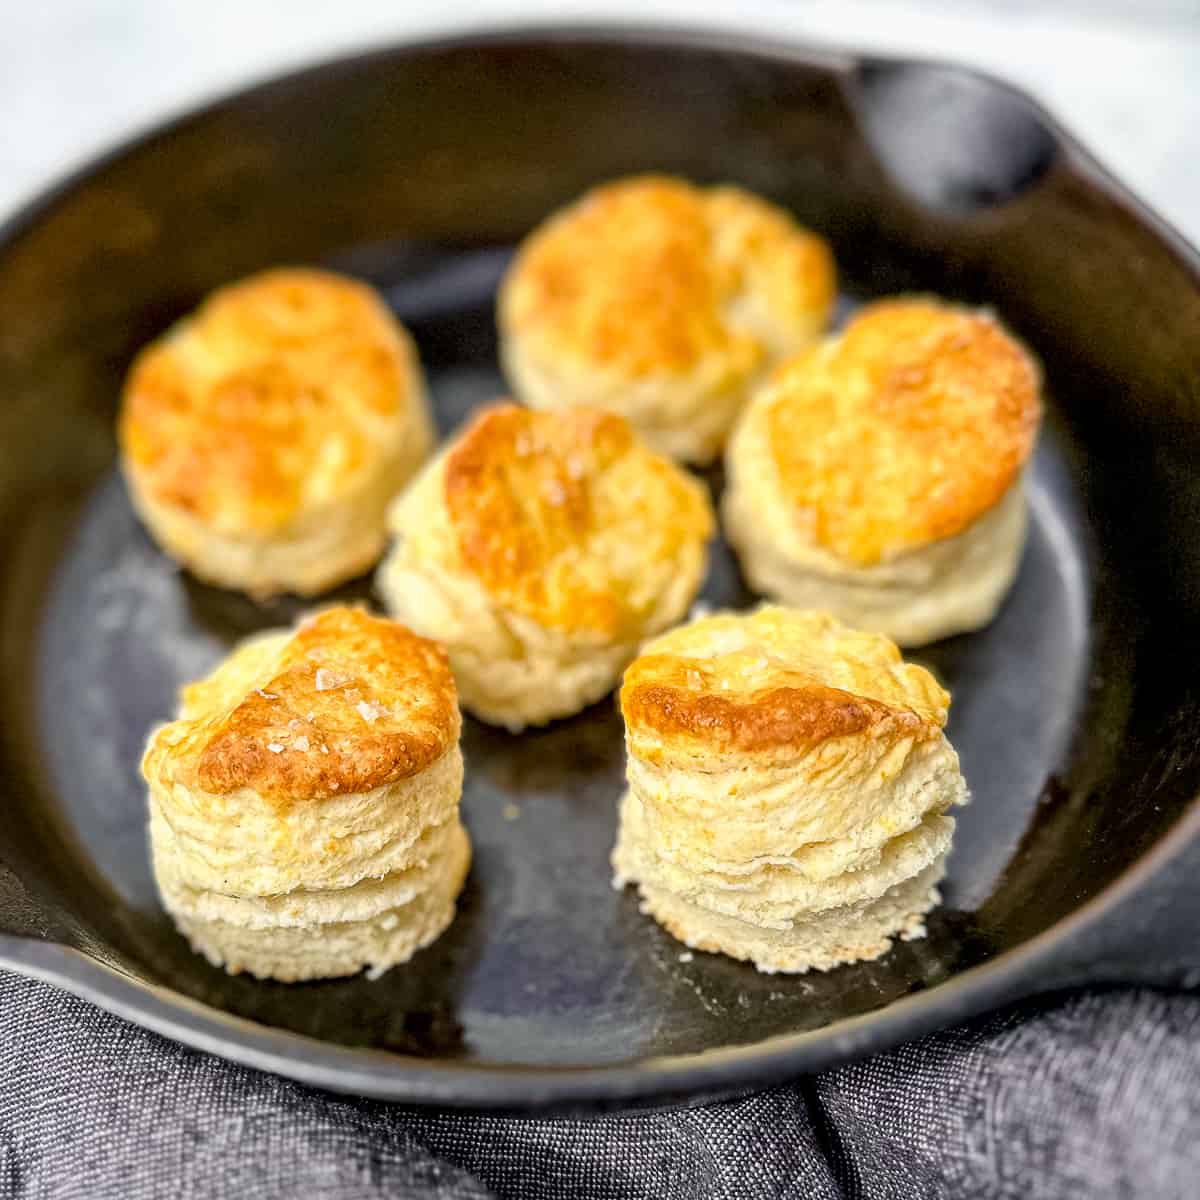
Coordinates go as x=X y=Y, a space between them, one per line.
x=296 y=951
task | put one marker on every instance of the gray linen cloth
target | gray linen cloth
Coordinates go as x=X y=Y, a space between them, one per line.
x=1091 y=1095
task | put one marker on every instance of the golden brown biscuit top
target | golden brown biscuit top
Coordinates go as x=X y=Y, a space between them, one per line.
x=650 y=275
x=271 y=396
x=567 y=517
x=776 y=678
x=346 y=703
x=904 y=429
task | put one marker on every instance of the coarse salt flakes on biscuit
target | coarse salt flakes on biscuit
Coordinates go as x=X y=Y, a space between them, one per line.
x=879 y=476
x=263 y=436
x=663 y=302
x=304 y=805
x=789 y=785
x=540 y=549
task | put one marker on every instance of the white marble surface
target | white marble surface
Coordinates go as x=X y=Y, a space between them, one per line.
x=77 y=75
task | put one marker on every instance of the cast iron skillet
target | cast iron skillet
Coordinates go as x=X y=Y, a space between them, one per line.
x=418 y=168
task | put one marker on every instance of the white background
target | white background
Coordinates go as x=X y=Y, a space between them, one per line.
x=77 y=75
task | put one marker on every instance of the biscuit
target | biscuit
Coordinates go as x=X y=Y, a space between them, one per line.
x=263 y=437
x=304 y=806
x=789 y=789
x=880 y=475
x=540 y=549
x=663 y=302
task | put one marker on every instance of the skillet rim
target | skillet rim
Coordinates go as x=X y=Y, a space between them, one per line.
x=381 y=1074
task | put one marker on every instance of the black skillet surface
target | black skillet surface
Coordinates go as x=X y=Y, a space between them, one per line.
x=1075 y=713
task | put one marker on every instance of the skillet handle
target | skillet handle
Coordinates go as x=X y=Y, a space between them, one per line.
x=1151 y=937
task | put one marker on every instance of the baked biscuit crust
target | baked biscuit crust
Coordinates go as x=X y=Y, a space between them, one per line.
x=347 y=704
x=558 y=514
x=274 y=396
x=778 y=678
x=645 y=275
x=904 y=429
